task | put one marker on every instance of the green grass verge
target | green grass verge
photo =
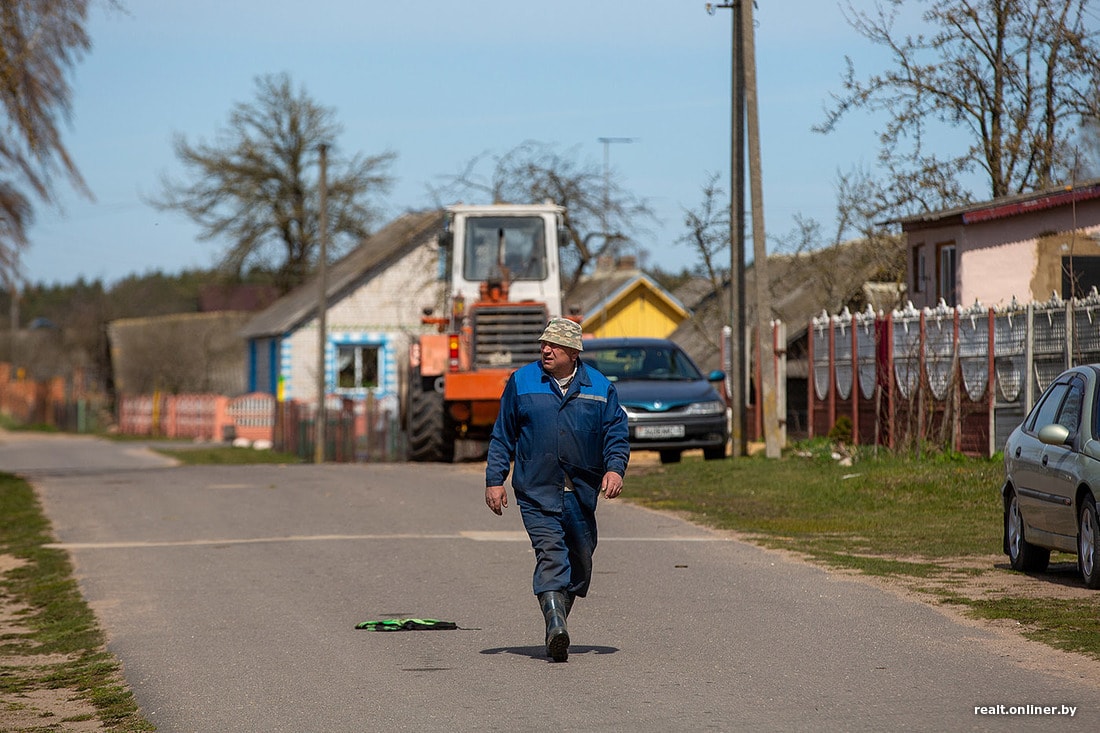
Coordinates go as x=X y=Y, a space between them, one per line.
x=226 y=456
x=927 y=522
x=58 y=620
x=1064 y=623
x=884 y=506
x=9 y=423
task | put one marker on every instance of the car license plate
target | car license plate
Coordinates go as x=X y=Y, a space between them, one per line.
x=659 y=431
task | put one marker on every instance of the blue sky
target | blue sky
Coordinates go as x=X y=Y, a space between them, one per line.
x=440 y=83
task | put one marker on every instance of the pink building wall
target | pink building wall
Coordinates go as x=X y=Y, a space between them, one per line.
x=1016 y=256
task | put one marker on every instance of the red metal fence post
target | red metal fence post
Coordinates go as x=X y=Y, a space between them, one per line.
x=990 y=386
x=889 y=385
x=855 y=382
x=831 y=371
x=956 y=392
x=811 y=388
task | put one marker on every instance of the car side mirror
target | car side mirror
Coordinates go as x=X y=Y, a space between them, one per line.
x=716 y=376
x=1054 y=434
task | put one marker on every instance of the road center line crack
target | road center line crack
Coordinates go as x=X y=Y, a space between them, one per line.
x=477 y=536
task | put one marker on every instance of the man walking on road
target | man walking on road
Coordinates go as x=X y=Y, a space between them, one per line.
x=560 y=422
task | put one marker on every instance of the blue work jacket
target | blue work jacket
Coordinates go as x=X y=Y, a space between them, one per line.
x=583 y=435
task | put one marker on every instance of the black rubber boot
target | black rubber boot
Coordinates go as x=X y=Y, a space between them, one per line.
x=557 y=633
x=569 y=598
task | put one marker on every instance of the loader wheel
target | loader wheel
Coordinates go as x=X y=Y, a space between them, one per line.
x=428 y=435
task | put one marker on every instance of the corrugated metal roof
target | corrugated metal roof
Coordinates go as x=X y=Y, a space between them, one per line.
x=398 y=237
x=1006 y=206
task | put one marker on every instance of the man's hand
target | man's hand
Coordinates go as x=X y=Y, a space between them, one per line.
x=496 y=498
x=612 y=484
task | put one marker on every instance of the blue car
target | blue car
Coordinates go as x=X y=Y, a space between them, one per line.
x=670 y=405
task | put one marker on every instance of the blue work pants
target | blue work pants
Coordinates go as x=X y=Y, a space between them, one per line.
x=563 y=545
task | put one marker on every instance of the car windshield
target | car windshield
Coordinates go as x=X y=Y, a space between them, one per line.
x=505 y=245
x=658 y=362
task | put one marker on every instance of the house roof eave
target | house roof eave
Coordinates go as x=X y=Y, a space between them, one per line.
x=620 y=286
x=625 y=289
x=1003 y=207
x=299 y=305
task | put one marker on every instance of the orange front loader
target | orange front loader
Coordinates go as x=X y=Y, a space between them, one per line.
x=503 y=287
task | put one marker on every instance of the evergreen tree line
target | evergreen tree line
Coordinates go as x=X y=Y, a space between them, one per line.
x=55 y=328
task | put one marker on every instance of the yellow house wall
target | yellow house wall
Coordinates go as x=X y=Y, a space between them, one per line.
x=640 y=312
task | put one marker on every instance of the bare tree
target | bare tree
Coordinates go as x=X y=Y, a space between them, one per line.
x=40 y=42
x=861 y=205
x=1016 y=76
x=1087 y=151
x=708 y=234
x=600 y=215
x=708 y=231
x=257 y=185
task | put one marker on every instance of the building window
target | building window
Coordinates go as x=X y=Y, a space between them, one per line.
x=1080 y=274
x=919 y=275
x=357 y=366
x=945 y=274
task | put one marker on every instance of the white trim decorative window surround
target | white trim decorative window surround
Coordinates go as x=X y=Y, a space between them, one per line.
x=357 y=366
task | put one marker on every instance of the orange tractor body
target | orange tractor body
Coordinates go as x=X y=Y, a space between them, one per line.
x=503 y=284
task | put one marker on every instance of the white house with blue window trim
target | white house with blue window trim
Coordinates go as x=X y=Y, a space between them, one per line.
x=376 y=296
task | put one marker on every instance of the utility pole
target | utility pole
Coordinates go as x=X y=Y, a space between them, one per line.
x=13 y=310
x=759 y=246
x=13 y=286
x=607 y=141
x=13 y=290
x=737 y=379
x=322 y=307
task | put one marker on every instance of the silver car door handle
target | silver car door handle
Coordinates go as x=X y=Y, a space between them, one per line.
x=1017 y=452
x=1044 y=459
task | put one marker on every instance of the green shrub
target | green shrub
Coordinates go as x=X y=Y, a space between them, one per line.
x=842 y=430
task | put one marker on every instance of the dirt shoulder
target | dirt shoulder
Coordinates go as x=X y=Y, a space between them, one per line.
x=38 y=705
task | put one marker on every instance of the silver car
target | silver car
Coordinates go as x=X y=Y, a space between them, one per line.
x=1052 y=476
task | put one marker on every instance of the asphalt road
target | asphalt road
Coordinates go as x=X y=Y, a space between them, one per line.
x=231 y=596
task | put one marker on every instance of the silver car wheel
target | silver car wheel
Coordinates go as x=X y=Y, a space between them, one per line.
x=1022 y=554
x=1015 y=529
x=1087 y=540
x=1088 y=533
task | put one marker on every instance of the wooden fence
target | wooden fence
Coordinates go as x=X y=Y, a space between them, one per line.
x=64 y=403
x=355 y=430
x=959 y=378
x=197 y=416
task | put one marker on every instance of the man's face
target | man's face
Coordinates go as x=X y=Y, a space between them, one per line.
x=557 y=360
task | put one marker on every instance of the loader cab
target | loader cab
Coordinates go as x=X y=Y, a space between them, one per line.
x=516 y=244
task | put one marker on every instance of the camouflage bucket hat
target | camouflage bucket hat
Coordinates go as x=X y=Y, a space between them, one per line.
x=563 y=332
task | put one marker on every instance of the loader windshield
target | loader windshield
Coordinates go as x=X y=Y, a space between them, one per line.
x=507 y=247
